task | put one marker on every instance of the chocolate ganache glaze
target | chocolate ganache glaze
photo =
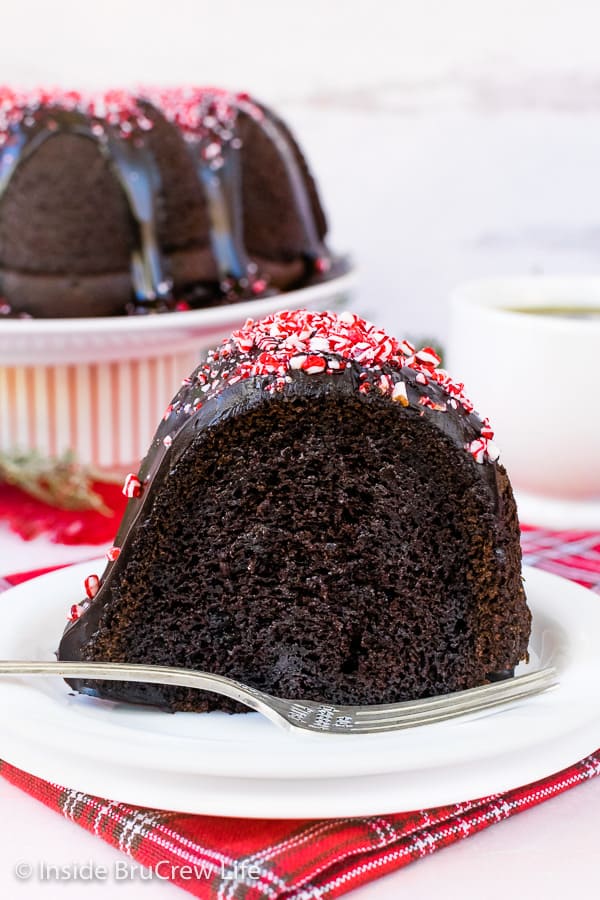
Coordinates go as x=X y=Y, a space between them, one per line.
x=149 y=202
x=382 y=508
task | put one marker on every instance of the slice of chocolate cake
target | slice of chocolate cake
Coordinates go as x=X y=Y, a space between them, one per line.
x=151 y=201
x=321 y=515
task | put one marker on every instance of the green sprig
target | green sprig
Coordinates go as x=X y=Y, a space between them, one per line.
x=60 y=482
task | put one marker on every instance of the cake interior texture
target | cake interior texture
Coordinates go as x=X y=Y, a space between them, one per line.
x=338 y=551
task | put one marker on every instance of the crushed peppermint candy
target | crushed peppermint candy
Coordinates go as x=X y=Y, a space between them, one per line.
x=399 y=393
x=428 y=357
x=120 y=109
x=312 y=365
x=323 y=344
x=483 y=450
x=207 y=114
x=259 y=285
x=431 y=404
x=113 y=553
x=76 y=610
x=322 y=264
x=486 y=430
x=92 y=586
x=492 y=450
x=385 y=384
x=132 y=486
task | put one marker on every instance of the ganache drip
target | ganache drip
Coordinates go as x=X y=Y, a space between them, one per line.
x=133 y=166
x=208 y=120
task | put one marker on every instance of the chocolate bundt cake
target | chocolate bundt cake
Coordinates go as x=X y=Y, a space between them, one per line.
x=321 y=515
x=167 y=199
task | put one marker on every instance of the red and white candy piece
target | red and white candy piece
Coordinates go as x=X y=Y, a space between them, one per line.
x=399 y=393
x=428 y=357
x=313 y=365
x=92 y=586
x=322 y=264
x=266 y=363
x=481 y=449
x=244 y=342
x=113 y=554
x=319 y=345
x=477 y=449
x=492 y=451
x=132 y=486
x=385 y=384
x=431 y=404
x=259 y=286
x=384 y=351
x=486 y=430
x=406 y=348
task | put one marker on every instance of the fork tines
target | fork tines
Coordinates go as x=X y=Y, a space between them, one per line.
x=326 y=718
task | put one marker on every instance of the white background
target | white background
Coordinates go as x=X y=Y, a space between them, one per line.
x=450 y=139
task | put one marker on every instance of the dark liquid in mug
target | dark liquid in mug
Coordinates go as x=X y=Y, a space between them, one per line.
x=565 y=311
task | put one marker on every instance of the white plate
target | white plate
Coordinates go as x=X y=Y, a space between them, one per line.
x=558 y=512
x=243 y=765
x=79 y=340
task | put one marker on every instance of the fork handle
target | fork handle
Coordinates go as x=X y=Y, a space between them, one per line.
x=281 y=711
x=138 y=672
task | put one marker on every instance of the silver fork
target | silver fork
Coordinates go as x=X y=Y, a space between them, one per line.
x=306 y=715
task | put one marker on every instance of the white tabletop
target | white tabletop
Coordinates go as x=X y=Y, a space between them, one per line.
x=549 y=851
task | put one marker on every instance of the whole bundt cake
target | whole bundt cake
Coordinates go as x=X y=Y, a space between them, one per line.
x=159 y=200
x=321 y=515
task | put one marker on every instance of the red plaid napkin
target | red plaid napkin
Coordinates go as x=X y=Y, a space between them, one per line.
x=300 y=860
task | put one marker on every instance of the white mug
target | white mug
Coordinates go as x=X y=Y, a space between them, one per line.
x=536 y=376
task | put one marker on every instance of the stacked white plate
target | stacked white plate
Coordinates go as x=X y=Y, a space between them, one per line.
x=242 y=765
